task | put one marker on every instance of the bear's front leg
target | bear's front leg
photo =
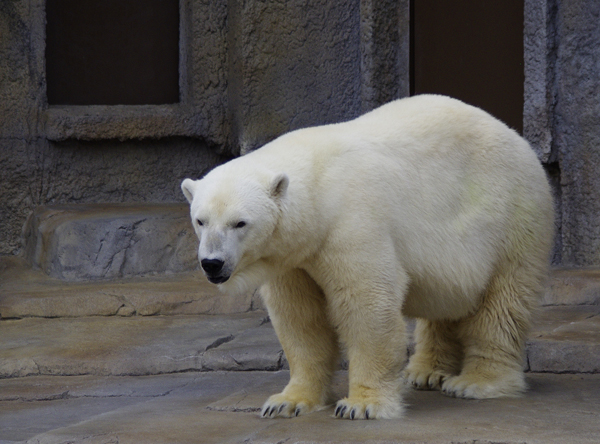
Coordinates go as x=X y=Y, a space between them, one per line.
x=371 y=327
x=298 y=311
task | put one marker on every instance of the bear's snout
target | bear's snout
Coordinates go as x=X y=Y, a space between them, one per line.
x=212 y=268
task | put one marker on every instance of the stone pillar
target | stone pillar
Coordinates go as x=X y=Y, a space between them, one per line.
x=292 y=64
x=577 y=129
x=384 y=51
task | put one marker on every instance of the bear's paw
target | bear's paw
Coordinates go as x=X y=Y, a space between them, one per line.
x=425 y=378
x=472 y=386
x=359 y=408
x=287 y=406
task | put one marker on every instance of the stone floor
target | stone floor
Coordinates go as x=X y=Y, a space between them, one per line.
x=169 y=360
x=222 y=407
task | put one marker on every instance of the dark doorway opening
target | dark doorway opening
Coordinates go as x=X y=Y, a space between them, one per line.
x=112 y=52
x=471 y=50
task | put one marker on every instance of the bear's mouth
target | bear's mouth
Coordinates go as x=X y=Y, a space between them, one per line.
x=217 y=279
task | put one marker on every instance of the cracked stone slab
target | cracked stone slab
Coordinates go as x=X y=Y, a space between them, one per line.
x=51 y=388
x=565 y=339
x=251 y=398
x=255 y=349
x=114 y=345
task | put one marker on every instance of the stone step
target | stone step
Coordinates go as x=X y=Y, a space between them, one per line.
x=27 y=292
x=110 y=241
x=564 y=340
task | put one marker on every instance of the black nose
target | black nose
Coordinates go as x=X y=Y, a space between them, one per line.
x=212 y=266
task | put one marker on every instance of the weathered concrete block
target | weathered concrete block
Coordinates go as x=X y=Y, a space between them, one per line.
x=109 y=241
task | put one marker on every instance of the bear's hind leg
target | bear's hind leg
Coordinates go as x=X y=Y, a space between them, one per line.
x=494 y=338
x=438 y=354
x=298 y=312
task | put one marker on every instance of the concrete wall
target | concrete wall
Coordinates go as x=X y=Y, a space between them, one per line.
x=251 y=70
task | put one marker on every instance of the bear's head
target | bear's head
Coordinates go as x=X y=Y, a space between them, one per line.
x=234 y=213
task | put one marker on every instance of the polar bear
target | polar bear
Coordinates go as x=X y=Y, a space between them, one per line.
x=425 y=208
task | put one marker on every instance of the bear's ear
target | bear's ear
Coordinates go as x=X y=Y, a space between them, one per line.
x=188 y=186
x=279 y=185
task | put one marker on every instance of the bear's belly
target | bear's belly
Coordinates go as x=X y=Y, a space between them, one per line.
x=437 y=302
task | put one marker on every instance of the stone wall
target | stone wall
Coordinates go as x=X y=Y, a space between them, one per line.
x=54 y=155
x=251 y=70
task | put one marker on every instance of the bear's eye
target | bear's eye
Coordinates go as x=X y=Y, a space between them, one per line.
x=200 y=223
x=240 y=224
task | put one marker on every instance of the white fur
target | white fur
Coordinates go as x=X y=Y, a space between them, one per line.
x=425 y=207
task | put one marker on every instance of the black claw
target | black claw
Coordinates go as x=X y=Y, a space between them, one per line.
x=337 y=410
x=297 y=412
x=280 y=408
x=272 y=410
x=367 y=413
x=352 y=412
x=343 y=411
x=264 y=413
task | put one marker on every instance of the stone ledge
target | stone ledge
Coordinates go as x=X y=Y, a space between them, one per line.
x=101 y=122
x=572 y=286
